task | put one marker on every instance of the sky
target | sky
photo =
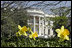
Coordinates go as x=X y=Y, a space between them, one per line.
x=61 y=4
x=47 y=9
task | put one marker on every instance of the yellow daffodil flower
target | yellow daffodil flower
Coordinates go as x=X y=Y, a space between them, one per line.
x=18 y=33
x=25 y=34
x=19 y=27
x=33 y=35
x=22 y=30
x=63 y=33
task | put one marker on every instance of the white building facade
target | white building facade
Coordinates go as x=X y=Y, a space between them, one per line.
x=39 y=24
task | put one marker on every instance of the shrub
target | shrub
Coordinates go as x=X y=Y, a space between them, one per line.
x=10 y=20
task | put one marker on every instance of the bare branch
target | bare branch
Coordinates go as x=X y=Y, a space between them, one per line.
x=35 y=4
x=51 y=4
x=10 y=4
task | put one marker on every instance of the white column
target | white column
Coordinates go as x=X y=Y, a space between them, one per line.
x=46 y=28
x=34 y=23
x=39 y=27
x=28 y=22
x=51 y=31
x=42 y=27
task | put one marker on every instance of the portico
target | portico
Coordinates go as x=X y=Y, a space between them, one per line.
x=39 y=24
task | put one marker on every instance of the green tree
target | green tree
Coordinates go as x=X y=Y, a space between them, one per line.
x=10 y=20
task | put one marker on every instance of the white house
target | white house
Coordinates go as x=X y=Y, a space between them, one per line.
x=38 y=23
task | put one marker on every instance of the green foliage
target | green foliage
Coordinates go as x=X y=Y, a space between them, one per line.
x=10 y=21
x=59 y=21
x=39 y=42
x=63 y=11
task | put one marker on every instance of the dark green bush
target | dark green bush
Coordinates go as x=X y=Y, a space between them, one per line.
x=10 y=21
x=60 y=21
x=40 y=42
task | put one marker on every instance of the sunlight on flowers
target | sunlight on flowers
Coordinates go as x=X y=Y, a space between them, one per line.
x=33 y=35
x=63 y=33
x=24 y=28
x=22 y=31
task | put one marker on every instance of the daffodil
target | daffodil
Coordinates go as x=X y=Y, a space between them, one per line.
x=63 y=33
x=17 y=33
x=22 y=30
x=33 y=35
